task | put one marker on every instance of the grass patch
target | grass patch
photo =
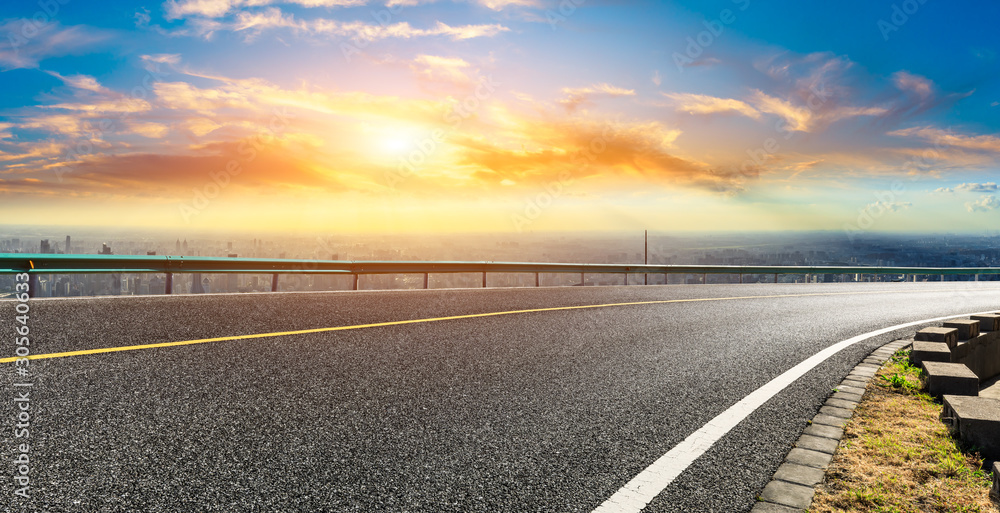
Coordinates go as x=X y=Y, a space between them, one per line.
x=897 y=456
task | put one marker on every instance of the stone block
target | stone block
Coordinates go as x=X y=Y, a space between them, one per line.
x=929 y=352
x=980 y=354
x=987 y=322
x=947 y=335
x=950 y=379
x=967 y=328
x=976 y=422
x=788 y=494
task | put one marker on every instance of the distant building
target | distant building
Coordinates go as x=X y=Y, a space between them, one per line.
x=105 y=249
x=68 y=250
x=197 y=286
x=157 y=285
x=45 y=247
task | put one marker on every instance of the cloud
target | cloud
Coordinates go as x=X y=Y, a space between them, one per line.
x=656 y=78
x=184 y=96
x=101 y=106
x=602 y=153
x=74 y=126
x=703 y=104
x=499 y=5
x=585 y=95
x=905 y=81
x=275 y=164
x=83 y=82
x=175 y=9
x=940 y=137
x=984 y=204
x=253 y=23
x=162 y=58
x=808 y=108
x=148 y=129
x=26 y=43
x=804 y=118
x=892 y=206
x=797 y=118
x=434 y=68
x=977 y=187
x=496 y=5
x=273 y=18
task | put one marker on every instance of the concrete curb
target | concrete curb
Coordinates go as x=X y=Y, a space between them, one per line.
x=792 y=488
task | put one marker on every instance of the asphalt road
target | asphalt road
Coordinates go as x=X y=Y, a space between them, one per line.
x=537 y=411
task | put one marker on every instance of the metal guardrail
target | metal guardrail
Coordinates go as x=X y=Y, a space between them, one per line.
x=35 y=264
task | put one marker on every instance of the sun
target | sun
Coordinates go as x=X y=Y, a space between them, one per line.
x=395 y=145
x=392 y=140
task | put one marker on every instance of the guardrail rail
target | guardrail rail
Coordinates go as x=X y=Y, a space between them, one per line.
x=37 y=264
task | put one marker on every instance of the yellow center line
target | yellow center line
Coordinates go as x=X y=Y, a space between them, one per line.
x=103 y=350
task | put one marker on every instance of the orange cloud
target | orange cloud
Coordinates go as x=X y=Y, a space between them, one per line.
x=588 y=149
x=703 y=104
x=990 y=143
x=584 y=95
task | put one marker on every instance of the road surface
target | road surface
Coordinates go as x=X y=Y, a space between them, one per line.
x=551 y=409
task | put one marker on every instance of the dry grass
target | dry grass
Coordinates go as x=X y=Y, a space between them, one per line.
x=897 y=456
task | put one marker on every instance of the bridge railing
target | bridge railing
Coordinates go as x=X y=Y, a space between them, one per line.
x=37 y=264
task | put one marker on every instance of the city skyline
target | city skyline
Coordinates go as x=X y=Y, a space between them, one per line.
x=349 y=116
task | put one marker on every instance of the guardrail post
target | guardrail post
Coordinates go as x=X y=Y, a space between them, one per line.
x=626 y=279
x=426 y=279
x=356 y=276
x=484 y=279
x=775 y=277
x=168 y=284
x=32 y=285
x=704 y=278
x=582 y=280
x=537 y=280
x=665 y=276
x=274 y=282
x=741 y=277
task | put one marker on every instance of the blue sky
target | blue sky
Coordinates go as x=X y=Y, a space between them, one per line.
x=502 y=115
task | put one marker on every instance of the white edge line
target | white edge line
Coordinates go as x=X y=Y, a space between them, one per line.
x=643 y=488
